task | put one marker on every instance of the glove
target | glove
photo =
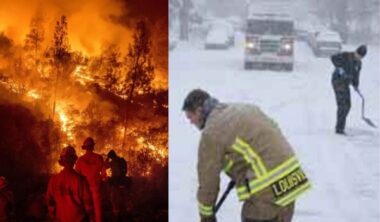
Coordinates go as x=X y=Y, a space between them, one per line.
x=209 y=219
x=340 y=71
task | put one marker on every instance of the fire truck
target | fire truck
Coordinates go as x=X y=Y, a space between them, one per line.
x=269 y=41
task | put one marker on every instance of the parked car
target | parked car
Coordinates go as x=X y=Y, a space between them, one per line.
x=221 y=24
x=217 y=38
x=326 y=43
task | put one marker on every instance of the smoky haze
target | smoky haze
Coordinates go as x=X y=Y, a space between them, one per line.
x=89 y=21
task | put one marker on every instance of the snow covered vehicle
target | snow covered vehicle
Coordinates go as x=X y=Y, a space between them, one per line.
x=326 y=43
x=269 y=41
x=218 y=38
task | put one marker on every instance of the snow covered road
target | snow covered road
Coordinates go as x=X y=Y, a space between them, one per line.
x=344 y=170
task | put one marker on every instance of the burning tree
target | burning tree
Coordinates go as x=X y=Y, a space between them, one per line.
x=5 y=45
x=139 y=64
x=110 y=69
x=60 y=53
x=35 y=37
x=139 y=67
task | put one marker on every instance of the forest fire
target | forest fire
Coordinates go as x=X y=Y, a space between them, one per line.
x=33 y=94
x=81 y=76
x=158 y=154
x=66 y=125
x=105 y=71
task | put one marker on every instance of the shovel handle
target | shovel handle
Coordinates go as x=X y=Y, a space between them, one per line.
x=231 y=185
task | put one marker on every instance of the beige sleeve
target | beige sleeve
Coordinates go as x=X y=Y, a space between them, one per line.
x=210 y=164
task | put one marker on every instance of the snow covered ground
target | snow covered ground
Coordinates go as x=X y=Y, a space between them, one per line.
x=344 y=170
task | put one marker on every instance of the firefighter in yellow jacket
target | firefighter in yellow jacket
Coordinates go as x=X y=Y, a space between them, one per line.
x=243 y=142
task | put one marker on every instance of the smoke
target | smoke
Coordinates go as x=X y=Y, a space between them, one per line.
x=90 y=24
x=156 y=15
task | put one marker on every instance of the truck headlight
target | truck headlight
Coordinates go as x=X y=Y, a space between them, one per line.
x=250 y=45
x=287 y=46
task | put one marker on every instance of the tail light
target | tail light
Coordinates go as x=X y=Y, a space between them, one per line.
x=252 y=44
x=286 y=46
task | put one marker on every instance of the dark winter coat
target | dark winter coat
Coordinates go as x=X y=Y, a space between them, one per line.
x=348 y=67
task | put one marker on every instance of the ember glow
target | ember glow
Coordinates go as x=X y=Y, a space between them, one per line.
x=33 y=94
x=158 y=154
x=66 y=125
x=82 y=76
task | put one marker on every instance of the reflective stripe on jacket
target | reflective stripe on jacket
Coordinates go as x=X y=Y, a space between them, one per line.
x=243 y=142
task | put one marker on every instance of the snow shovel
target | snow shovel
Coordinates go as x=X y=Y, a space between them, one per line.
x=367 y=120
x=231 y=185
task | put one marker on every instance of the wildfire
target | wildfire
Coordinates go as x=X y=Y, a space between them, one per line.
x=120 y=131
x=159 y=154
x=12 y=86
x=32 y=73
x=147 y=172
x=66 y=123
x=33 y=94
x=81 y=76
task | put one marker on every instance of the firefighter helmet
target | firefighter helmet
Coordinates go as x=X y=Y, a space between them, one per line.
x=88 y=144
x=68 y=156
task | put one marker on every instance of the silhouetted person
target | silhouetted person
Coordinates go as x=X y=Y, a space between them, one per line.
x=118 y=167
x=118 y=185
x=68 y=195
x=91 y=165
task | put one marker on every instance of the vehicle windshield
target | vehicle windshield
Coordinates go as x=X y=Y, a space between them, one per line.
x=270 y=27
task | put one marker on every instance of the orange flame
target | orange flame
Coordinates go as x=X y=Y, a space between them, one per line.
x=66 y=123
x=33 y=94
